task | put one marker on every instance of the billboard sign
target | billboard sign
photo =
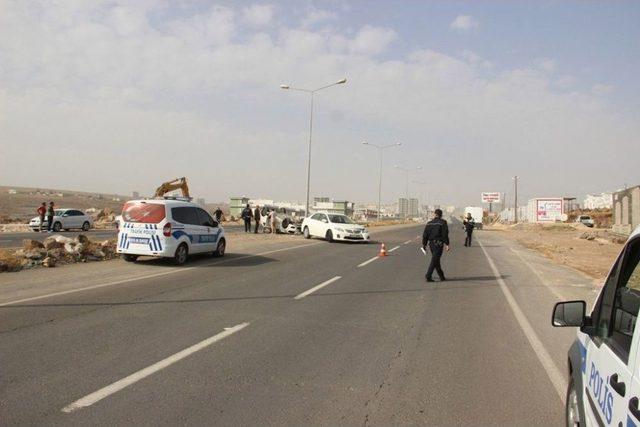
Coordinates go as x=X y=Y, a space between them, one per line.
x=549 y=210
x=491 y=197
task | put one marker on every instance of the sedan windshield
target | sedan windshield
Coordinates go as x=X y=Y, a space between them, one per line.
x=340 y=219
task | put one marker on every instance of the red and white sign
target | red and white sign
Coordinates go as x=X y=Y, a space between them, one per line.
x=549 y=210
x=491 y=197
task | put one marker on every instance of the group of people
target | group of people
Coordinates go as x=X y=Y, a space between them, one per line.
x=436 y=238
x=49 y=213
x=256 y=214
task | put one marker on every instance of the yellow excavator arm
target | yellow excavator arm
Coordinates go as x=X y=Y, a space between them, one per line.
x=178 y=183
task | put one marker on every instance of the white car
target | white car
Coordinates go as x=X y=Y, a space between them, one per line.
x=604 y=360
x=64 y=219
x=586 y=220
x=334 y=227
x=168 y=228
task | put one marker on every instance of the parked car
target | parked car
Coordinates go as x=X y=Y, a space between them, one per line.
x=333 y=227
x=168 y=228
x=604 y=360
x=586 y=220
x=286 y=223
x=65 y=219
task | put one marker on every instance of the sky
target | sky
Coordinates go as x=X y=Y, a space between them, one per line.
x=116 y=96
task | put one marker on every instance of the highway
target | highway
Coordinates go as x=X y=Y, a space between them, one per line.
x=291 y=332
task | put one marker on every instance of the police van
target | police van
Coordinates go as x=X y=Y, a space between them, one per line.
x=604 y=360
x=169 y=228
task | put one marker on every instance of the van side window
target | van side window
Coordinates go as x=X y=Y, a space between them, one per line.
x=204 y=218
x=185 y=215
x=627 y=300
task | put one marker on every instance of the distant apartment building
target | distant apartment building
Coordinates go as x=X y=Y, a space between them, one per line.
x=626 y=210
x=336 y=206
x=407 y=208
x=598 y=201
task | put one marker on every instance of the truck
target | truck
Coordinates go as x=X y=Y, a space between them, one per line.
x=476 y=213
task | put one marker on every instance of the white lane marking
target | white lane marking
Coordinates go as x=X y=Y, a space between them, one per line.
x=96 y=396
x=5 y=240
x=555 y=293
x=367 y=261
x=148 y=276
x=556 y=378
x=315 y=288
x=393 y=249
x=407 y=242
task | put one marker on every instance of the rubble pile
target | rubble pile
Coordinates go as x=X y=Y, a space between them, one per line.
x=56 y=250
x=104 y=218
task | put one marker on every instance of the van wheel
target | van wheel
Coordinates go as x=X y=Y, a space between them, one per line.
x=86 y=226
x=181 y=254
x=572 y=410
x=57 y=226
x=329 y=236
x=306 y=233
x=219 y=252
x=130 y=258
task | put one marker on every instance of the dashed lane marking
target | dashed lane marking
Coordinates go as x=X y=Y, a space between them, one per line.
x=368 y=261
x=97 y=396
x=393 y=249
x=407 y=242
x=318 y=287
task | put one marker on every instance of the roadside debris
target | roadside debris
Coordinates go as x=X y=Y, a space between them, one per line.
x=56 y=250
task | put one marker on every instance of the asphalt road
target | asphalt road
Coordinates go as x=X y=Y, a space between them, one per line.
x=14 y=240
x=294 y=333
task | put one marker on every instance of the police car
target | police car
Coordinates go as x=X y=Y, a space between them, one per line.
x=169 y=228
x=604 y=360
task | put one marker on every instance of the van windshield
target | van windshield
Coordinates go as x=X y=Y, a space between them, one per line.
x=148 y=213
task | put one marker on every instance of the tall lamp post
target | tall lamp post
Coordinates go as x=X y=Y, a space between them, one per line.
x=406 y=190
x=380 y=149
x=311 y=92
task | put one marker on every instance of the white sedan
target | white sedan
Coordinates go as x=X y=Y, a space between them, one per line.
x=333 y=227
x=64 y=219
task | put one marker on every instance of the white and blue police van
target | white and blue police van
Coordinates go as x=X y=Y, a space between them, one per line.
x=604 y=360
x=168 y=228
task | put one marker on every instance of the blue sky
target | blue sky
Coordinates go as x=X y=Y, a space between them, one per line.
x=477 y=92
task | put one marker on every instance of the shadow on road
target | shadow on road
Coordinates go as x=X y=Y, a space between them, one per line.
x=207 y=260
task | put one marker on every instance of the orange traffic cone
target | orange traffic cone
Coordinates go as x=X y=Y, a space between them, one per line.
x=383 y=251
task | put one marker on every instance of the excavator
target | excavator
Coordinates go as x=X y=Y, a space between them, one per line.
x=178 y=183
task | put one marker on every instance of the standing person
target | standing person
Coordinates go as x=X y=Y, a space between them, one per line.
x=436 y=236
x=218 y=215
x=469 y=225
x=50 y=213
x=42 y=210
x=246 y=216
x=256 y=218
x=272 y=220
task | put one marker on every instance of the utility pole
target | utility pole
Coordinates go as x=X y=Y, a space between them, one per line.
x=515 y=201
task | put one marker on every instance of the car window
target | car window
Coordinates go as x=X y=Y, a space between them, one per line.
x=204 y=218
x=317 y=217
x=621 y=302
x=76 y=213
x=148 y=213
x=185 y=215
x=340 y=219
x=627 y=300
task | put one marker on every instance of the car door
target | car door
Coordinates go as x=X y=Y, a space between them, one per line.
x=323 y=225
x=68 y=219
x=77 y=218
x=210 y=231
x=611 y=373
x=188 y=216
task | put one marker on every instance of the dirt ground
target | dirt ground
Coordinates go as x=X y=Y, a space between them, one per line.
x=591 y=251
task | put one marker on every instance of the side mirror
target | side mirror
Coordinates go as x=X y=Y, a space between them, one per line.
x=214 y=225
x=570 y=313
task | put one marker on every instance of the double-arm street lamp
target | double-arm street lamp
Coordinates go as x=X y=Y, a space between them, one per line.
x=380 y=149
x=311 y=92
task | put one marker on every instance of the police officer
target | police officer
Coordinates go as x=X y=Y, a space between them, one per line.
x=246 y=216
x=469 y=224
x=256 y=217
x=436 y=236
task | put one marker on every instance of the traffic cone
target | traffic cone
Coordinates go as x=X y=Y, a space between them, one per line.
x=383 y=251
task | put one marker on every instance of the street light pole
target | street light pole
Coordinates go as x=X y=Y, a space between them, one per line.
x=406 y=190
x=515 y=201
x=380 y=149
x=311 y=92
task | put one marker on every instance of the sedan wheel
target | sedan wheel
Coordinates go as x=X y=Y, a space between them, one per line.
x=329 y=236
x=306 y=233
x=86 y=226
x=57 y=227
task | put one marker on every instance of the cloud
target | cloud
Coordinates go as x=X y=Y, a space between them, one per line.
x=463 y=23
x=317 y=16
x=258 y=15
x=602 y=89
x=198 y=95
x=372 y=40
x=547 y=65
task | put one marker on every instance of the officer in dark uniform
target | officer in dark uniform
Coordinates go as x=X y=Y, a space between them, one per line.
x=469 y=225
x=436 y=236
